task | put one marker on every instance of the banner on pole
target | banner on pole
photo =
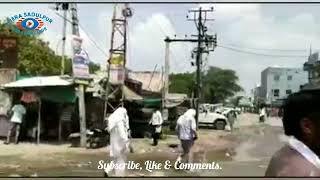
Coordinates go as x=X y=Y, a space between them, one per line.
x=80 y=61
x=116 y=75
x=80 y=65
x=117 y=60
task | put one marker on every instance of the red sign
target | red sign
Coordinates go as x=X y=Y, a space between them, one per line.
x=29 y=97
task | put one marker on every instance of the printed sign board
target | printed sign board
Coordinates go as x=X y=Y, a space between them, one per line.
x=80 y=62
x=80 y=65
x=116 y=75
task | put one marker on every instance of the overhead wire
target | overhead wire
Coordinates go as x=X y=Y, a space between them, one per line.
x=84 y=30
x=262 y=49
x=170 y=50
x=229 y=46
x=184 y=44
x=259 y=54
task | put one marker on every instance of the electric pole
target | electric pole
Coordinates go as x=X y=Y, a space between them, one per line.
x=205 y=44
x=65 y=8
x=198 y=63
x=81 y=87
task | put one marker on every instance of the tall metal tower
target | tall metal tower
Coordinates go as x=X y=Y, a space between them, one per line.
x=116 y=65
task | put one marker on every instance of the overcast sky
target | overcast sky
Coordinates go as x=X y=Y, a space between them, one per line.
x=270 y=29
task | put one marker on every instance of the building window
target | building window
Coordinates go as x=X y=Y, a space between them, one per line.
x=289 y=78
x=276 y=77
x=288 y=91
x=276 y=92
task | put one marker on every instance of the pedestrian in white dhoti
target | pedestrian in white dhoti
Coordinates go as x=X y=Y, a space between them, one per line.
x=187 y=133
x=156 y=123
x=118 y=128
x=262 y=114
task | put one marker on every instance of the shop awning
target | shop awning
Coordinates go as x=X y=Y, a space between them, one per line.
x=172 y=100
x=41 y=81
x=131 y=95
x=59 y=94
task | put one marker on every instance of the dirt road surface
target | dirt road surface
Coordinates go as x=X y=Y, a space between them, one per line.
x=244 y=152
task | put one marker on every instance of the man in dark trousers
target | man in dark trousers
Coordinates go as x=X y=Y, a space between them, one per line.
x=156 y=123
x=301 y=122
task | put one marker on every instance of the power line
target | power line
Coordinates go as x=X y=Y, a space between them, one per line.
x=259 y=54
x=84 y=30
x=263 y=49
x=171 y=52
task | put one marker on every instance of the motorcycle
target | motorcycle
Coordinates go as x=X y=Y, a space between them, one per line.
x=97 y=138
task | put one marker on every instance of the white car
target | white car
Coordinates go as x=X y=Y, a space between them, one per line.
x=216 y=120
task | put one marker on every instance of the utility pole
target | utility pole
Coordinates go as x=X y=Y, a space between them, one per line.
x=198 y=63
x=81 y=87
x=203 y=38
x=167 y=69
x=65 y=7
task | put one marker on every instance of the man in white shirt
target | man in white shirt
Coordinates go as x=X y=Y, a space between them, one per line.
x=262 y=114
x=186 y=131
x=17 y=111
x=156 y=123
x=301 y=122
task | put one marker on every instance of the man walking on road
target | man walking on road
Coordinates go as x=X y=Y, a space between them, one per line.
x=301 y=122
x=156 y=123
x=17 y=111
x=262 y=114
x=187 y=134
x=118 y=128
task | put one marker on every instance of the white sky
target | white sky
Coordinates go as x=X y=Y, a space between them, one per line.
x=259 y=26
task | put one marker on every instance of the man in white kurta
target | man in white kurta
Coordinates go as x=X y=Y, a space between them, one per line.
x=156 y=123
x=118 y=128
x=187 y=132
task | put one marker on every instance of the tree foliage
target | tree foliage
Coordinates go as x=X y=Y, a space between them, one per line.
x=218 y=84
x=35 y=57
x=182 y=83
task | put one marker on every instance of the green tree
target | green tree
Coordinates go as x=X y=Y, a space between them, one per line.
x=218 y=84
x=36 y=57
x=182 y=83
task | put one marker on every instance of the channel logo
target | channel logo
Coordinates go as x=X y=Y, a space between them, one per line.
x=29 y=23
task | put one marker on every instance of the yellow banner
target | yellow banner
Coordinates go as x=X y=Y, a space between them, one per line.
x=117 y=60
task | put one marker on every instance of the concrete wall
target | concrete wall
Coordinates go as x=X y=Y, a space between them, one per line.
x=6 y=76
x=269 y=84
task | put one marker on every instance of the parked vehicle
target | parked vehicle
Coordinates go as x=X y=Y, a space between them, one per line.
x=213 y=118
x=229 y=111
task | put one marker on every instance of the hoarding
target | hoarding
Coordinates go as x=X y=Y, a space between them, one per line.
x=117 y=73
x=8 y=52
x=80 y=65
x=80 y=61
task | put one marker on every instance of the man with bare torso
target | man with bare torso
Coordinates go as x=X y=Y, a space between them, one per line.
x=301 y=122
